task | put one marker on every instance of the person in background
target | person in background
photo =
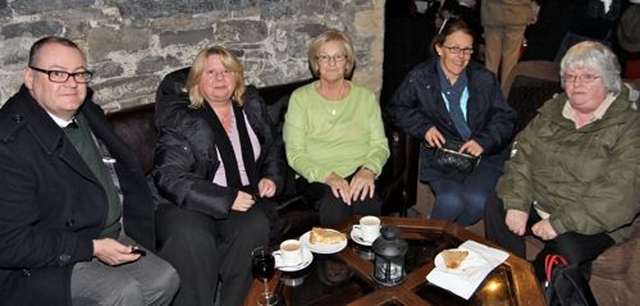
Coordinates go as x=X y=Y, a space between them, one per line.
x=573 y=178
x=334 y=135
x=77 y=214
x=451 y=99
x=217 y=161
x=504 y=23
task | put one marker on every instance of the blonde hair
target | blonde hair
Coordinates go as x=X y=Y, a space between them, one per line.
x=229 y=61
x=325 y=37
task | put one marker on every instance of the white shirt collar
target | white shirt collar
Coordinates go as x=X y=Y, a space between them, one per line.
x=59 y=121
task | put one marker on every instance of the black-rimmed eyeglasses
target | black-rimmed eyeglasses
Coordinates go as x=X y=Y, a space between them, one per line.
x=59 y=76
x=457 y=50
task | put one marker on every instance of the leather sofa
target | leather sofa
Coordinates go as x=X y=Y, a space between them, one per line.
x=397 y=184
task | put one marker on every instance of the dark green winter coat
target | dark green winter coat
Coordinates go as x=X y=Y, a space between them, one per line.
x=588 y=179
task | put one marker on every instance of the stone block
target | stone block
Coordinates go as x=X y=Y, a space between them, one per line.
x=138 y=87
x=141 y=9
x=190 y=37
x=156 y=63
x=28 y=7
x=35 y=29
x=103 y=40
x=4 y=9
x=245 y=31
x=106 y=70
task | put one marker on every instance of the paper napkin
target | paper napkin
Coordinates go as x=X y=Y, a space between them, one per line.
x=464 y=280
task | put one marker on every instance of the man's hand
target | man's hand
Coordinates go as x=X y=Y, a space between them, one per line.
x=362 y=184
x=516 y=220
x=544 y=230
x=112 y=252
x=339 y=187
x=243 y=201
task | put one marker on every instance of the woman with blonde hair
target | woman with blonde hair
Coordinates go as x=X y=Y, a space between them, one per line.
x=214 y=162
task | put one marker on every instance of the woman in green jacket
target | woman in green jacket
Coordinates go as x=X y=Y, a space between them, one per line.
x=572 y=179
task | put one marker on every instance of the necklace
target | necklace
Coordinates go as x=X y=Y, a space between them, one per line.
x=333 y=94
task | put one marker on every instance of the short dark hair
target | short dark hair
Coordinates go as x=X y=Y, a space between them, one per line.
x=450 y=26
x=35 y=48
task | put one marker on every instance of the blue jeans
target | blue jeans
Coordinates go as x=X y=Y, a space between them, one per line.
x=462 y=201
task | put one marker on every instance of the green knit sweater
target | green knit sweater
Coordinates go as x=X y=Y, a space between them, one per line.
x=323 y=136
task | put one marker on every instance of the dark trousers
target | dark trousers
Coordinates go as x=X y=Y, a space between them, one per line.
x=578 y=249
x=333 y=211
x=204 y=250
x=461 y=199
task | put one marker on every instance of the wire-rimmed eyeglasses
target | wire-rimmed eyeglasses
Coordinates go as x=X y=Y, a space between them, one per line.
x=457 y=50
x=583 y=78
x=59 y=76
x=325 y=58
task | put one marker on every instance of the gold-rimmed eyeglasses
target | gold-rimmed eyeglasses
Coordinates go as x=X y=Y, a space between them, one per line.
x=325 y=58
x=224 y=73
x=583 y=78
x=59 y=76
x=457 y=50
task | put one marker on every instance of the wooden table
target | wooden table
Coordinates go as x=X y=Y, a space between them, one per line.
x=515 y=275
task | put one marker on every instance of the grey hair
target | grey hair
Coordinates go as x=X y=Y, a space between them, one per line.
x=594 y=55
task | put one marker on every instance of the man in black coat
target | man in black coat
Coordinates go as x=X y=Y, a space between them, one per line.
x=76 y=214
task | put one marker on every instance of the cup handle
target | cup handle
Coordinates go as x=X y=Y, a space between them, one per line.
x=356 y=226
x=277 y=253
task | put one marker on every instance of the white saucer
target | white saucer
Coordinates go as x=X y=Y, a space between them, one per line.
x=355 y=236
x=307 y=258
x=321 y=248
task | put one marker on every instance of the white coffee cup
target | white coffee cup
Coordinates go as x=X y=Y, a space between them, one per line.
x=369 y=228
x=290 y=253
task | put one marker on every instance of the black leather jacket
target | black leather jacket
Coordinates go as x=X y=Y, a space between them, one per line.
x=186 y=158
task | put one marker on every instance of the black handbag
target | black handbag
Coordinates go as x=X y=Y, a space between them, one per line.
x=565 y=284
x=449 y=161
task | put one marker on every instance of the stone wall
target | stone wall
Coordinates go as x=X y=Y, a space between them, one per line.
x=131 y=45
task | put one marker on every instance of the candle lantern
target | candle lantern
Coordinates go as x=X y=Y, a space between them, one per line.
x=389 y=251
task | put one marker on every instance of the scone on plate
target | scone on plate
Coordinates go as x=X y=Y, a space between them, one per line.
x=453 y=257
x=326 y=236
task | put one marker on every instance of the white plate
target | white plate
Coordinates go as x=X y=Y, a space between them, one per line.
x=321 y=248
x=469 y=265
x=355 y=236
x=307 y=258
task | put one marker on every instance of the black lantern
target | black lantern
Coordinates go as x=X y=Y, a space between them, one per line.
x=388 y=269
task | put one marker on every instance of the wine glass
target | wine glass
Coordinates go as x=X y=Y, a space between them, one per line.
x=263 y=267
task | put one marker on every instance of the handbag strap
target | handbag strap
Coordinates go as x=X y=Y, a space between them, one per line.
x=552 y=260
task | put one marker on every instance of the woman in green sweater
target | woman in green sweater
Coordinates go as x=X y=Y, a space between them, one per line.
x=334 y=135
